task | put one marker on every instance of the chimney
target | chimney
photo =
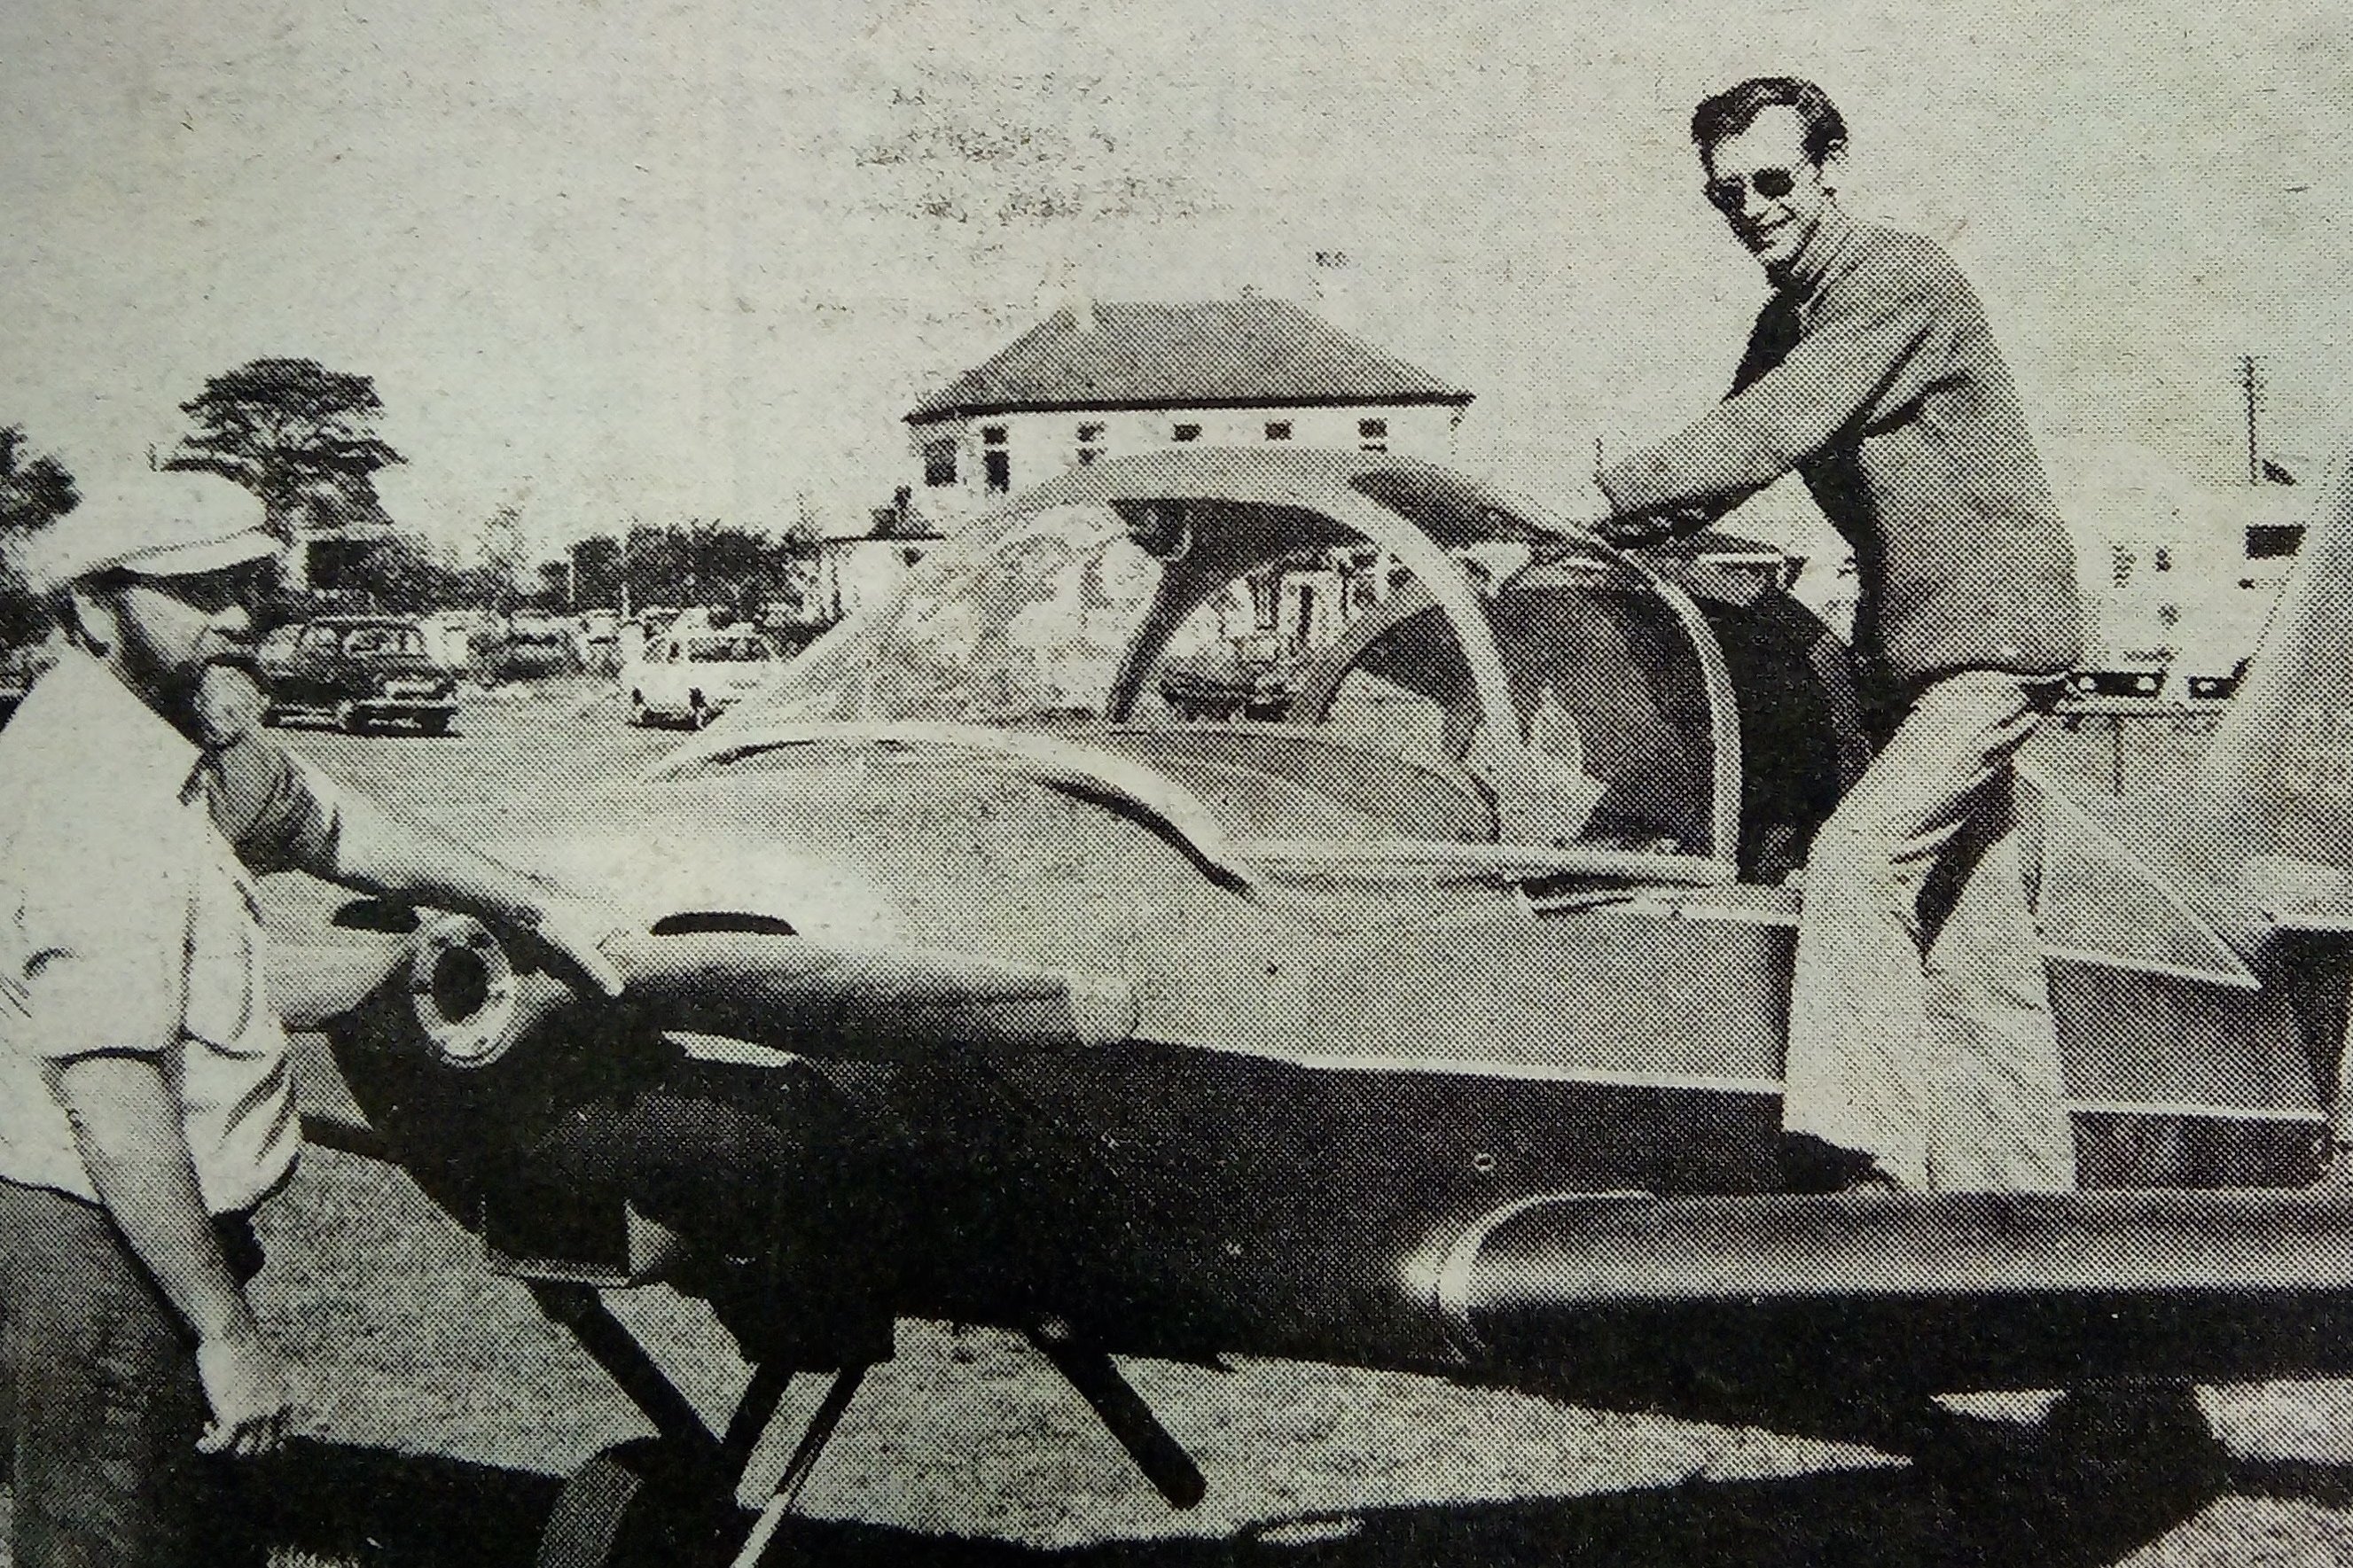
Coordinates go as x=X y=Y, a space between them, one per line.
x=1082 y=312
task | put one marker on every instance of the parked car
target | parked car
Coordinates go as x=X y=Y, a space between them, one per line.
x=356 y=671
x=1251 y=677
x=532 y=648
x=692 y=675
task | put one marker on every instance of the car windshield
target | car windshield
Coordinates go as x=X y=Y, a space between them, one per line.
x=374 y=642
x=731 y=650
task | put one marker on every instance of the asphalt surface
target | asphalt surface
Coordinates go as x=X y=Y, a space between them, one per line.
x=444 y=1407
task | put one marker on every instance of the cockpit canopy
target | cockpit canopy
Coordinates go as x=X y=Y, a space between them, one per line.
x=1427 y=658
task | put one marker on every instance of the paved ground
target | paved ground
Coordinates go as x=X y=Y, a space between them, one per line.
x=444 y=1406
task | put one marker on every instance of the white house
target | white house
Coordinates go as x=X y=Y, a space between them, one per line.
x=853 y=571
x=1102 y=379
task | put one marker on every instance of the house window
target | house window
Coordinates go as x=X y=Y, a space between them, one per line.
x=1187 y=433
x=1091 y=436
x=2274 y=540
x=2121 y=560
x=2163 y=560
x=997 y=471
x=1278 y=429
x=1373 y=435
x=992 y=435
x=939 y=461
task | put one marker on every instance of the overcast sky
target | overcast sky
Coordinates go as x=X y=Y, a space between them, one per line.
x=615 y=257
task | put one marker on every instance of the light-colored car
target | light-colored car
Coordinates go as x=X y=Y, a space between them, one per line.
x=694 y=674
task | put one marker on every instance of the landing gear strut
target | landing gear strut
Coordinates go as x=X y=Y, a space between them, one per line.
x=671 y=1499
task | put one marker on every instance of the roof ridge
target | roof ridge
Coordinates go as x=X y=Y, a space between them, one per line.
x=1235 y=351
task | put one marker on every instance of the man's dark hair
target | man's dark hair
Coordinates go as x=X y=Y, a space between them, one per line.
x=1735 y=109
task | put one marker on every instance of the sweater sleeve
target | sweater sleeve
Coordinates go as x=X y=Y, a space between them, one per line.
x=1859 y=352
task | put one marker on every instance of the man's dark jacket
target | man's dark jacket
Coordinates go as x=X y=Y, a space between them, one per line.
x=1872 y=372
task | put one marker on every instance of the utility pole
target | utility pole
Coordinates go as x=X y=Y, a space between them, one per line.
x=2251 y=383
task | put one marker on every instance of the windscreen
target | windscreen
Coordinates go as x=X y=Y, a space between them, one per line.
x=731 y=650
x=363 y=642
x=1028 y=628
x=1602 y=671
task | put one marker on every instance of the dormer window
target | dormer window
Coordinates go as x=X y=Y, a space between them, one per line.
x=1186 y=432
x=1278 y=429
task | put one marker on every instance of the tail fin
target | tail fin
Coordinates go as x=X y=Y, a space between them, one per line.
x=2271 y=798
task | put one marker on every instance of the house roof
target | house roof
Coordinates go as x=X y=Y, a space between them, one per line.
x=1212 y=353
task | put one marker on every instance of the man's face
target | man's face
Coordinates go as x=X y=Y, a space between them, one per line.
x=1767 y=187
x=172 y=627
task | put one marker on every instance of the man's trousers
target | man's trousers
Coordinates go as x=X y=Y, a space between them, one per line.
x=104 y=1399
x=1920 y=1027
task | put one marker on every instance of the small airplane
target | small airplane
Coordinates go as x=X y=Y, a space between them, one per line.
x=1435 y=1026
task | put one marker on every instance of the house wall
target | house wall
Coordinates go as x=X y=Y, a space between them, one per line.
x=1036 y=446
x=854 y=573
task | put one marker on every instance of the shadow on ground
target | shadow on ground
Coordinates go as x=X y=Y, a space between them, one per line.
x=1994 y=1499
x=403 y=1511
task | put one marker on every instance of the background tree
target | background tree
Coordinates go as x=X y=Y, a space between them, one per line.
x=711 y=563
x=300 y=436
x=597 y=571
x=34 y=493
x=405 y=575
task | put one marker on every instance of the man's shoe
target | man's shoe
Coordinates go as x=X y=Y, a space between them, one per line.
x=1812 y=1166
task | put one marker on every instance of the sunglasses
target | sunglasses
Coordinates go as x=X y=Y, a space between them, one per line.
x=243 y=587
x=1730 y=192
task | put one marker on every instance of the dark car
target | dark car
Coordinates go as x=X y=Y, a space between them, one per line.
x=357 y=671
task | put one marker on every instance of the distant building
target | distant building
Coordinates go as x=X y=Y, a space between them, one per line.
x=852 y=571
x=1095 y=379
x=334 y=523
x=2186 y=575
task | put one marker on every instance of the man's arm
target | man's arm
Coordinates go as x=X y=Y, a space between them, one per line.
x=377 y=850
x=1850 y=362
x=284 y=815
x=126 y=1121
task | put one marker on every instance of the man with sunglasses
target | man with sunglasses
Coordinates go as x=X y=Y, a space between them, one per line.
x=145 y=1097
x=1922 y=1051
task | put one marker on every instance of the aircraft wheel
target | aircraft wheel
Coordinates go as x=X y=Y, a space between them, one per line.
x=639 y=715
x=348 y=720
x=638 y=1504
x=697 y=716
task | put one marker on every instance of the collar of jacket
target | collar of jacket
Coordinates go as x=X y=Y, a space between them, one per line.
x=1812 y=265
